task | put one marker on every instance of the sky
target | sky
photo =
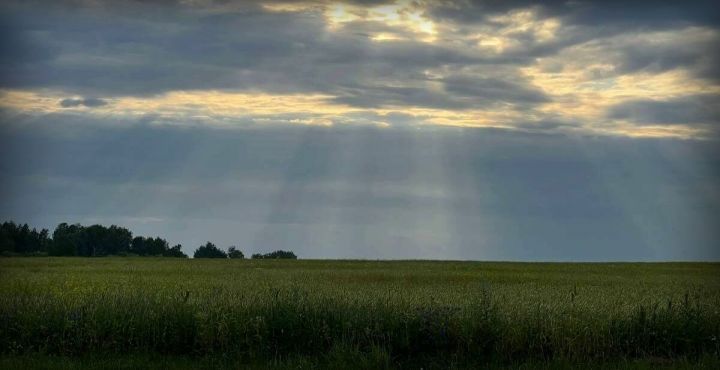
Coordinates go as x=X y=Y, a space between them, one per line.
x=470 y=130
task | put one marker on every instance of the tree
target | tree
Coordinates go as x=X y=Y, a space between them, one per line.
x=78 y=240
x=7 y=243
x=175 y=251
x=98 y=240
x=66 y=239
x=117 y=240
x=20 y=239
x=233 y=252
x=209 y=250
x=279 y=254
x=137 y=246
x=154 y=247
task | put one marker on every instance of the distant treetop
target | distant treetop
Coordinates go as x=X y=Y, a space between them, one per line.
x=209 y=250
x=280 y=254
x=79 y=240
x=99 y=241
x=233 y=252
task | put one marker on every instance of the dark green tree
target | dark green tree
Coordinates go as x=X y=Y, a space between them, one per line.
x=233 y=252
x=153 y=247
x=20 y=239
x=117 y=240
x=156 y=246
x=175 y=251
x=137 y=246
x=209 y=250
x=7 y=242
x=66 y=239
x=92 y=241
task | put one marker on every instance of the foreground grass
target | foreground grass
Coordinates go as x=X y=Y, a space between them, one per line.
x=304 y=314
x=333 y=360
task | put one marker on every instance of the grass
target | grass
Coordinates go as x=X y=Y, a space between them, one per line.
x=310 y=314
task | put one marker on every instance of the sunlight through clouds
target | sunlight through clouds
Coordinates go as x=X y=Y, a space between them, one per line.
x=500 y=33
x=464 y=64
x=404 y=15
x=370 y=129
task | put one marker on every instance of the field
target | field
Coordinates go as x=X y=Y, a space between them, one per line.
x=163 y=312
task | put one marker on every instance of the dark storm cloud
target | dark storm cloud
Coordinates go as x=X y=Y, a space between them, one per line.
x=364 y=192
x=684 y=110
x=85 y=102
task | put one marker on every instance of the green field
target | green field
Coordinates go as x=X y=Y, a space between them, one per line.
x=76 y=312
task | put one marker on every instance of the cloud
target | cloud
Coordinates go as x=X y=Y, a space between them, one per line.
x=621 y=15
x=691 y=48
x=493 y=90
x=476 y=63
x=700 y=109
x=84 y=102
x=108 y=53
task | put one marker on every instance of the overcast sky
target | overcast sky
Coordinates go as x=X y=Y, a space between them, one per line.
x=488 y=130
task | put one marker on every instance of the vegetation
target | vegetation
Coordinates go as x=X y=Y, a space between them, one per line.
x=209 y=250
x=275 y=255
x=364 y=314
x=79 y=240
x=233 y=252
x=20 y=239
x=100 y=241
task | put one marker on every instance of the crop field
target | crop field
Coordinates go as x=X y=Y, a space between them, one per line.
x=161 y=312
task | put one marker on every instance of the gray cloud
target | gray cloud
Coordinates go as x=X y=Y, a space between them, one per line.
x=700 y=56
x=244 y=50
x=146 y=49
x=596 y=20
x=622 y=15
x=493 y=89
x=140 y=49
x=85 y=102
x=703 y=109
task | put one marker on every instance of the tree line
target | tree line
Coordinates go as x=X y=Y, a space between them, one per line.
x=99 y=241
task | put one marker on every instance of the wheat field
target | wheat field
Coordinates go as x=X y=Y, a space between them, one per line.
x=75 y=312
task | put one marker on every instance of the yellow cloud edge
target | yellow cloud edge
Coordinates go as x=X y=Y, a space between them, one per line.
x=227 y=108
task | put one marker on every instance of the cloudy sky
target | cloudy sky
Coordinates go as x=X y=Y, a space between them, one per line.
x=491 y=130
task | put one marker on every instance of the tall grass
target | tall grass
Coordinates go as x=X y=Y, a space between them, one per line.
x=398 y=312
